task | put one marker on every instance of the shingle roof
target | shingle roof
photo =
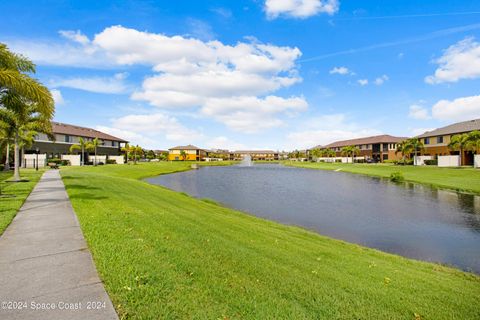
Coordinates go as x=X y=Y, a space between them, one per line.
x=459 y=127
x=188 y=147
x=385 y=138
x=73 y=130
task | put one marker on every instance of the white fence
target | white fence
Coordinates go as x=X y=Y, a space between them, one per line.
x=30 y=160
x=118 y=159
x=476 y=160
x=449 y=161
x=74 y=159
x=420 y=160
x=97 y=159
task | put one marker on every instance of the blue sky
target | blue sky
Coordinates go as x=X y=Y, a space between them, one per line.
x=279 y=74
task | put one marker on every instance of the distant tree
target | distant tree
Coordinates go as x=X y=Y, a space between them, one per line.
x=474 y=141
x=404 y=148
x=350 y=151
x=183 y=155
x=126 y=149
x=163 y=156
x=316 y=153
x=93 y=145
x=150 y=154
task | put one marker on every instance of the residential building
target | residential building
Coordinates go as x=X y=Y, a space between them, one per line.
x=66 y=135
x=266 y=155
x=192 y=153
x=436 y=141
x=376 y=148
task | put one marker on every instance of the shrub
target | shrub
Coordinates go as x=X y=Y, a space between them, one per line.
x=1 y=167
x=111 y=161
x=431 y=162
x=406 y=162
x=396 y=176
x=360 y=160
x=338 y=160
x=59 y=162
x=390 y=161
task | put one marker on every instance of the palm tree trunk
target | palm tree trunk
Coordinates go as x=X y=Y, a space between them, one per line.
x=95 y=155
x=7 y=160
x=461 y=156
x=82 y=160
x=16 y=173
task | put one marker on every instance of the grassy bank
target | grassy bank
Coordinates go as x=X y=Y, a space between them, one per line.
x=460 y=179
x=164 y=255
x=9 y=206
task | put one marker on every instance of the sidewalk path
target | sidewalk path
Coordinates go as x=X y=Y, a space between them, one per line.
x=45 y=264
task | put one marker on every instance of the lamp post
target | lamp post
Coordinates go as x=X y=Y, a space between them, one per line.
x=36 y=162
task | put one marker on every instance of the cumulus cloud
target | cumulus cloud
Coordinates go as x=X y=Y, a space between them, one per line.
x=459 y=61
x=381 y=80
x=460 y=109
x=57 y=97
x=109 y=85
x=340 y=70
x=187 y=72
x=300 y=8
x=362 y=82
x=418 y=112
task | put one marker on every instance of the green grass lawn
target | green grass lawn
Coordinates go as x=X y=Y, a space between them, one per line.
x=165 y=255
x=9 y=206
x=461 y=179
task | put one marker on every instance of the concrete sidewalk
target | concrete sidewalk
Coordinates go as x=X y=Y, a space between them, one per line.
x=46 y=269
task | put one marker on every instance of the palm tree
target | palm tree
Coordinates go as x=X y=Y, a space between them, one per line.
x=127 y=149
x=404 y=148
x=183 y=155
x=460 y=142
x=474 y=141
x=6 y=138
x=23 y=100
x=350 y=151
x=415 y=145
x=21 y=117
x=82 y=146
x=316 y=153
x=93 y=145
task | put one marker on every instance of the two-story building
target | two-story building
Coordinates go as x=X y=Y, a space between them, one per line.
x=376 y=148
x=436 y=142
x=66 y=135
x=190 y=152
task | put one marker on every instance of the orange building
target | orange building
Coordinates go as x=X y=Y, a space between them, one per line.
x=192 y=153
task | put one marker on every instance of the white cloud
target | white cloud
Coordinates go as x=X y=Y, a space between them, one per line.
x=300 y=8
x=57 y=97
x=340 y=70
x=419 y=131
x=200 y=29
x=362 y=82
x=418 y=112
x=225 y=143
x=151 y=130
x=381 y=80
x=75 y=36
x=251 y=114
x=460 y=109
x=459 y=61
x=110 y=85
x=188 y=72
x=326 y=129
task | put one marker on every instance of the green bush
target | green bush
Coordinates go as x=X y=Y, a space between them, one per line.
x=406 y=162
x=397 y=176
x=338 y=160
x=390 y=161
x=111 y=161
x=431 y=162
x=59 y=162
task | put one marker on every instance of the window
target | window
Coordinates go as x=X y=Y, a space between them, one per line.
x=426 y=141
x=385 y=147
x=68 y=138
x=440 y=139
x=385 y=157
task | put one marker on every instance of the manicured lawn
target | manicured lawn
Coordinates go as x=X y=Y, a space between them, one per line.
x=9 y=206
x=165 y=255
x=461 y=179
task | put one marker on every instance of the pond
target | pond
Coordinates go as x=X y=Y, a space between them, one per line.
x=407 y=219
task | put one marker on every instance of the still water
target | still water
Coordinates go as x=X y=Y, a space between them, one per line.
x=407 y=219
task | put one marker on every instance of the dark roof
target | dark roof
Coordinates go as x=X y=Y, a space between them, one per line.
x=188 y=147
x=385 y=138
x=73 y=130
x=459 y=127
x=254 y=151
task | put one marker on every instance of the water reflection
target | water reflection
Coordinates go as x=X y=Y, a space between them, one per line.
x=411 y=220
